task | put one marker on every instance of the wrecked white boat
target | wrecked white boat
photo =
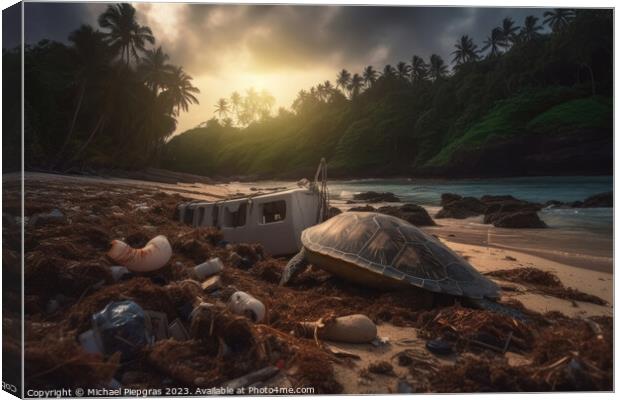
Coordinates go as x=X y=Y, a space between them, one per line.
x=275 y=220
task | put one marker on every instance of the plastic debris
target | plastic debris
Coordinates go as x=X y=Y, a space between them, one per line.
x=208 y=268
x=154 y=255
x=89 y=342
x=242 y=303
x=356 y=328
x=439 y=346
x=212 y=284
x=380 y=341
x=119 y=272
x=120 y=326
x=177 y=331
x=156 y=324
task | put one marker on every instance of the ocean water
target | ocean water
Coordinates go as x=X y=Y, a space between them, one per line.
x=427 y=193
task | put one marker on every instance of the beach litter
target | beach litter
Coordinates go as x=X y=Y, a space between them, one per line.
x=154 y=255
x=355 y=328
x=438 y=346
x=208 y=268
x=121 y=327
x=242 y=303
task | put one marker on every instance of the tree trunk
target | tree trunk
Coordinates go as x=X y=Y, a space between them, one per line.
x=591 y=78
x=87 y=143
x=72 y=126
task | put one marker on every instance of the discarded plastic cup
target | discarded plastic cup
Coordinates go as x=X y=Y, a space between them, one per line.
x=208 y=268
x=242 y=303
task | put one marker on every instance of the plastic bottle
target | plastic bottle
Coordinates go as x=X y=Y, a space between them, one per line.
x=208 y=268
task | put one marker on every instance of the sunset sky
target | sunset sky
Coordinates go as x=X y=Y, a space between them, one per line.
x=280 y=48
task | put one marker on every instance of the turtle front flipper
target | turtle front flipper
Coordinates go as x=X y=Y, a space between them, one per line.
x=296 y=265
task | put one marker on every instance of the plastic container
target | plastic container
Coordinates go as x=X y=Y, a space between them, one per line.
x=208 y=268
x=245 y=304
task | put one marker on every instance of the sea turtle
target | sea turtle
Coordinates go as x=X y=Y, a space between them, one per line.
x=383 y=251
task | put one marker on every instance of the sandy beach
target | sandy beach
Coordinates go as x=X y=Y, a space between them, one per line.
x=100 y=209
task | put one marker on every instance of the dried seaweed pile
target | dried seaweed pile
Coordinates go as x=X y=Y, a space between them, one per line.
x=477 y=328
x=545 y=282
x=567 y=355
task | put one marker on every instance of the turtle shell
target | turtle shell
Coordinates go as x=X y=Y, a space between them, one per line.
x=395 y=249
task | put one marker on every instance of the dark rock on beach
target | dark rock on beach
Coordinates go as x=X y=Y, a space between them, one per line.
x=599 y=200
x=366 y=208
x=412 y=213
x=333 y=211
x=499 y=207
x=460 y=208
x=447 y=198
x=520 y=219
x=503 y=211
x=376 y=197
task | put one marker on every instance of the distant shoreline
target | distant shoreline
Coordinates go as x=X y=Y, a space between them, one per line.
x=169 y=176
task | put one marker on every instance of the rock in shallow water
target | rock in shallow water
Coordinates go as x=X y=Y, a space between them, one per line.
x=461 y=208
x=376 y=197
x=412 y=213
x=521 y=219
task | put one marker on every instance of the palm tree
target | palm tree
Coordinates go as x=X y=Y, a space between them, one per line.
x=466 y=50
x=402 y=70
x=559 y=18
x=493 y=42
x=357 y=82
x=370 y=76
x=266 y=102
x=179 y=91
x=419 y=69
x=388 y=72
x=329 y=89
x=509 y=31
x=343 y=80
x=125 y=35
x=530 y=28
x=154 y=69
x=91 y=58
x=221 y=107
x=437 y=68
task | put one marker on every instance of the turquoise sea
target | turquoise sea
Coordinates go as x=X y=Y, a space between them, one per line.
x=428 y=192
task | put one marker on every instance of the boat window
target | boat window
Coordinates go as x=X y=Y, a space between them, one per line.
x=231 y=219
x=272 y=212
